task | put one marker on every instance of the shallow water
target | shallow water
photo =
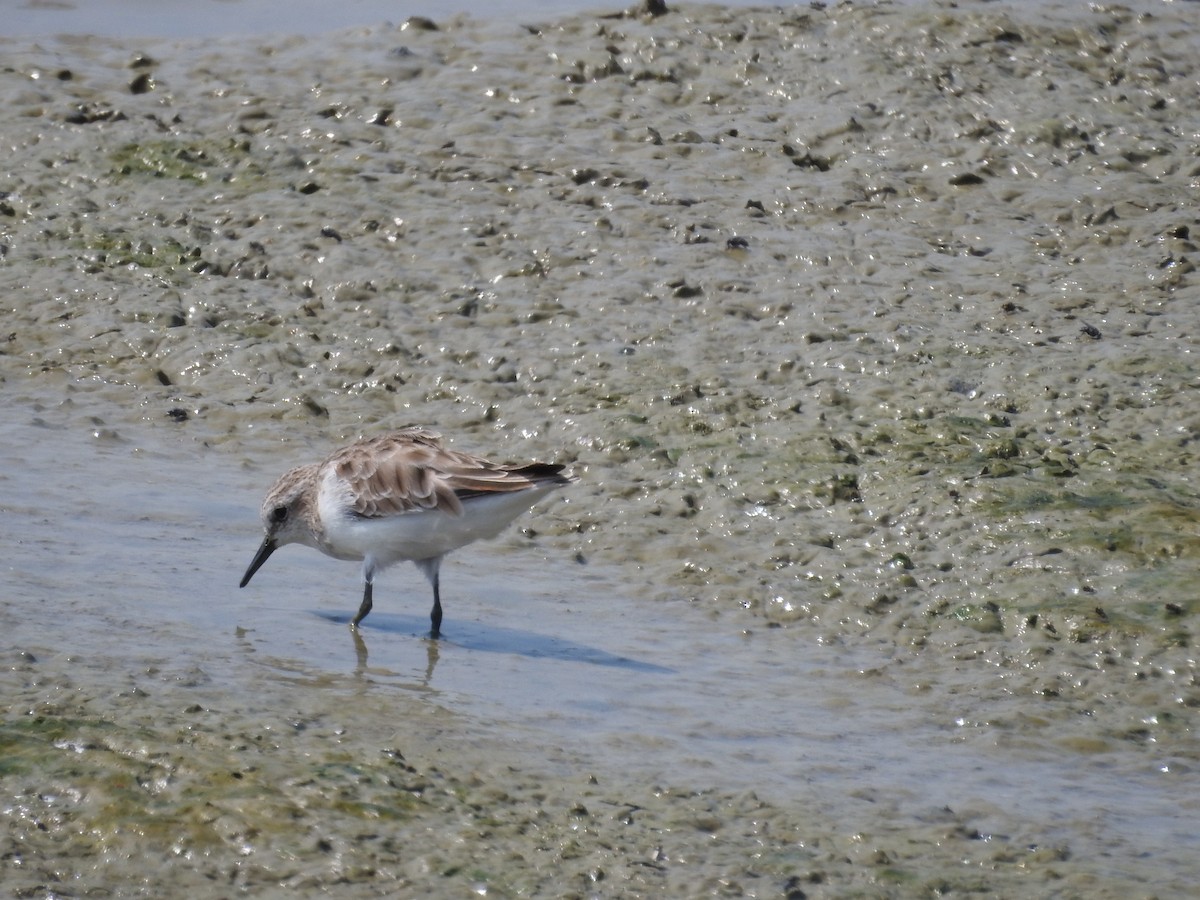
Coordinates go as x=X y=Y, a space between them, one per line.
x=212 y=18
x=543 y=659
x=875 y=366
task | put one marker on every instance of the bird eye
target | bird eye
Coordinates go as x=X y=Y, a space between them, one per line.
x=278 y=514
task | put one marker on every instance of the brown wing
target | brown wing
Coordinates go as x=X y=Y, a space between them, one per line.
x=410 y=470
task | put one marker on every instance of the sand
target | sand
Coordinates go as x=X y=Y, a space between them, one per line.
x=869 y=329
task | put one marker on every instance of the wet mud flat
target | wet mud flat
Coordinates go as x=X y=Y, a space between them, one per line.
x=869 y=329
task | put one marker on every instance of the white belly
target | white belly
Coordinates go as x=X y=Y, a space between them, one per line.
x=426 y=534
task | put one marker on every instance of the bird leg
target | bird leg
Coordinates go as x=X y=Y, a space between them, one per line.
x=436 y=615
x=365 y=607
x=430 y=567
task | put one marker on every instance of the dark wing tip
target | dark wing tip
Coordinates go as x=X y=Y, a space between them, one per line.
x=540 y=472
x=510 y=479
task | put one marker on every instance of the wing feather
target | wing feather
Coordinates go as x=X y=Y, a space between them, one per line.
x=410 y=471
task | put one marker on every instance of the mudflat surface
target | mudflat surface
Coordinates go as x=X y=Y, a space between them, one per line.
x=870 y=331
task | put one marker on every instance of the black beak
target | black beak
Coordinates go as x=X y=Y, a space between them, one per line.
x=267 y=548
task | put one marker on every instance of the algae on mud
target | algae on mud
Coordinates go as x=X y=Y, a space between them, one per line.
x=805 y=292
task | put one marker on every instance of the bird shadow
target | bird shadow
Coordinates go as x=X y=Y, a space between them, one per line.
x=498 y=639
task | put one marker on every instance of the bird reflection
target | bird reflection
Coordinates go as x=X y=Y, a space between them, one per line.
x=361 y=653
x=431 y=649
